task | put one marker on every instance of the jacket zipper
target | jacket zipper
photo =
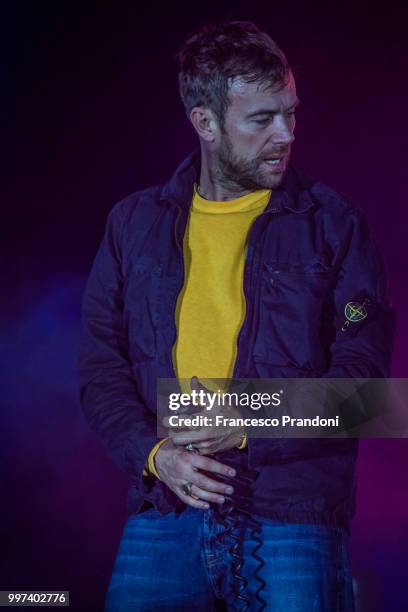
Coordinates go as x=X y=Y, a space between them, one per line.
x=248 y=307
x=248 y=279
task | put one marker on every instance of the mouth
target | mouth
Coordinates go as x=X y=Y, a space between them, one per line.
x=275 y=163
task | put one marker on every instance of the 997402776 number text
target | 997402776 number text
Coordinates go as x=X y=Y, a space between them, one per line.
x=34 y=598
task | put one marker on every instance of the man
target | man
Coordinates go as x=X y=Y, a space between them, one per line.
x=238 y=266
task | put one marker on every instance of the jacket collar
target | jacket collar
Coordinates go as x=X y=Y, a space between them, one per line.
x=293 y=193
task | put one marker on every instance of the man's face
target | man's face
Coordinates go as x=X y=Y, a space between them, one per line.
x=259 y=125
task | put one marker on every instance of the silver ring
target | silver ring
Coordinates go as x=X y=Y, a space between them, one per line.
x=186 y=488
x=190 y=447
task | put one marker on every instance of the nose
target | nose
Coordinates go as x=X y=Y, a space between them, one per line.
x=282 y=132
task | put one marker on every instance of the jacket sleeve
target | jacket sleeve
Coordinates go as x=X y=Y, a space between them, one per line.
x=109 y=397
x=361 y=348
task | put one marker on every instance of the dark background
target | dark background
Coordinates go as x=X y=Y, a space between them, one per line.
x=90 y=112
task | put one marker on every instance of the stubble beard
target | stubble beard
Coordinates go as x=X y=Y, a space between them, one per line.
x=237 y=172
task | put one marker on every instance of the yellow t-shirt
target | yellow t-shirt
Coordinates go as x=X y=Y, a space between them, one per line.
x=211 y=306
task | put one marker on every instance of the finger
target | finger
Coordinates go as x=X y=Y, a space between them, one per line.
x=190 y=501
x=185 y=432
x=207 y=453
x=193 y=436
x=207 y=495
x=223 y=442
x=203 y=482
x=204 y=444
x=211 y=465
x=209 y=449
x=166 y=422
x=181 y=425
x=198 y=386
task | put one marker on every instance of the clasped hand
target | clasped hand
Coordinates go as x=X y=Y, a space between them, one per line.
x=211 y=438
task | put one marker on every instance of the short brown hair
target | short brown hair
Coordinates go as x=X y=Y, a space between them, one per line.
x=217 y=53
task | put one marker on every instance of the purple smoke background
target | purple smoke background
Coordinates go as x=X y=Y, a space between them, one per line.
x=92 y=113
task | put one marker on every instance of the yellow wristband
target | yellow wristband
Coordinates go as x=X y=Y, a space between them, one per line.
x=150 y=460
x=243 y=442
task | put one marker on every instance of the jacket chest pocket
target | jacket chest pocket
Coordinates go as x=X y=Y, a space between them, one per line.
x=291 y=305
x=141 y=308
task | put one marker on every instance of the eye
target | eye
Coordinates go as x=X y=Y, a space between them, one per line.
x=267 y=119
x=261 y=121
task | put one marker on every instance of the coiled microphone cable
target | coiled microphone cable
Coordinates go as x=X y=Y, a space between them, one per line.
x=236 y=518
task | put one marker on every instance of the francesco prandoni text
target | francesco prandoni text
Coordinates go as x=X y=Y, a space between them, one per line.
x=200 y=420
x=254 y=401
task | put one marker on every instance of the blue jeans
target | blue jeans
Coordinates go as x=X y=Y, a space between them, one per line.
x=183 y=563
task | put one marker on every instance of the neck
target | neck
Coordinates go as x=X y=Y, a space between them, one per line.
x=213 y=185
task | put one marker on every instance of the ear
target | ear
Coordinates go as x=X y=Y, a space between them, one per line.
x=204 y=123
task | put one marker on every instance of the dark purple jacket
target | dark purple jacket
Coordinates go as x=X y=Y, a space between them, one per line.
x=309 y=253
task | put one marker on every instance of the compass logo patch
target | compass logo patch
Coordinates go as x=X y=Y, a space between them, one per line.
x=354 y=312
